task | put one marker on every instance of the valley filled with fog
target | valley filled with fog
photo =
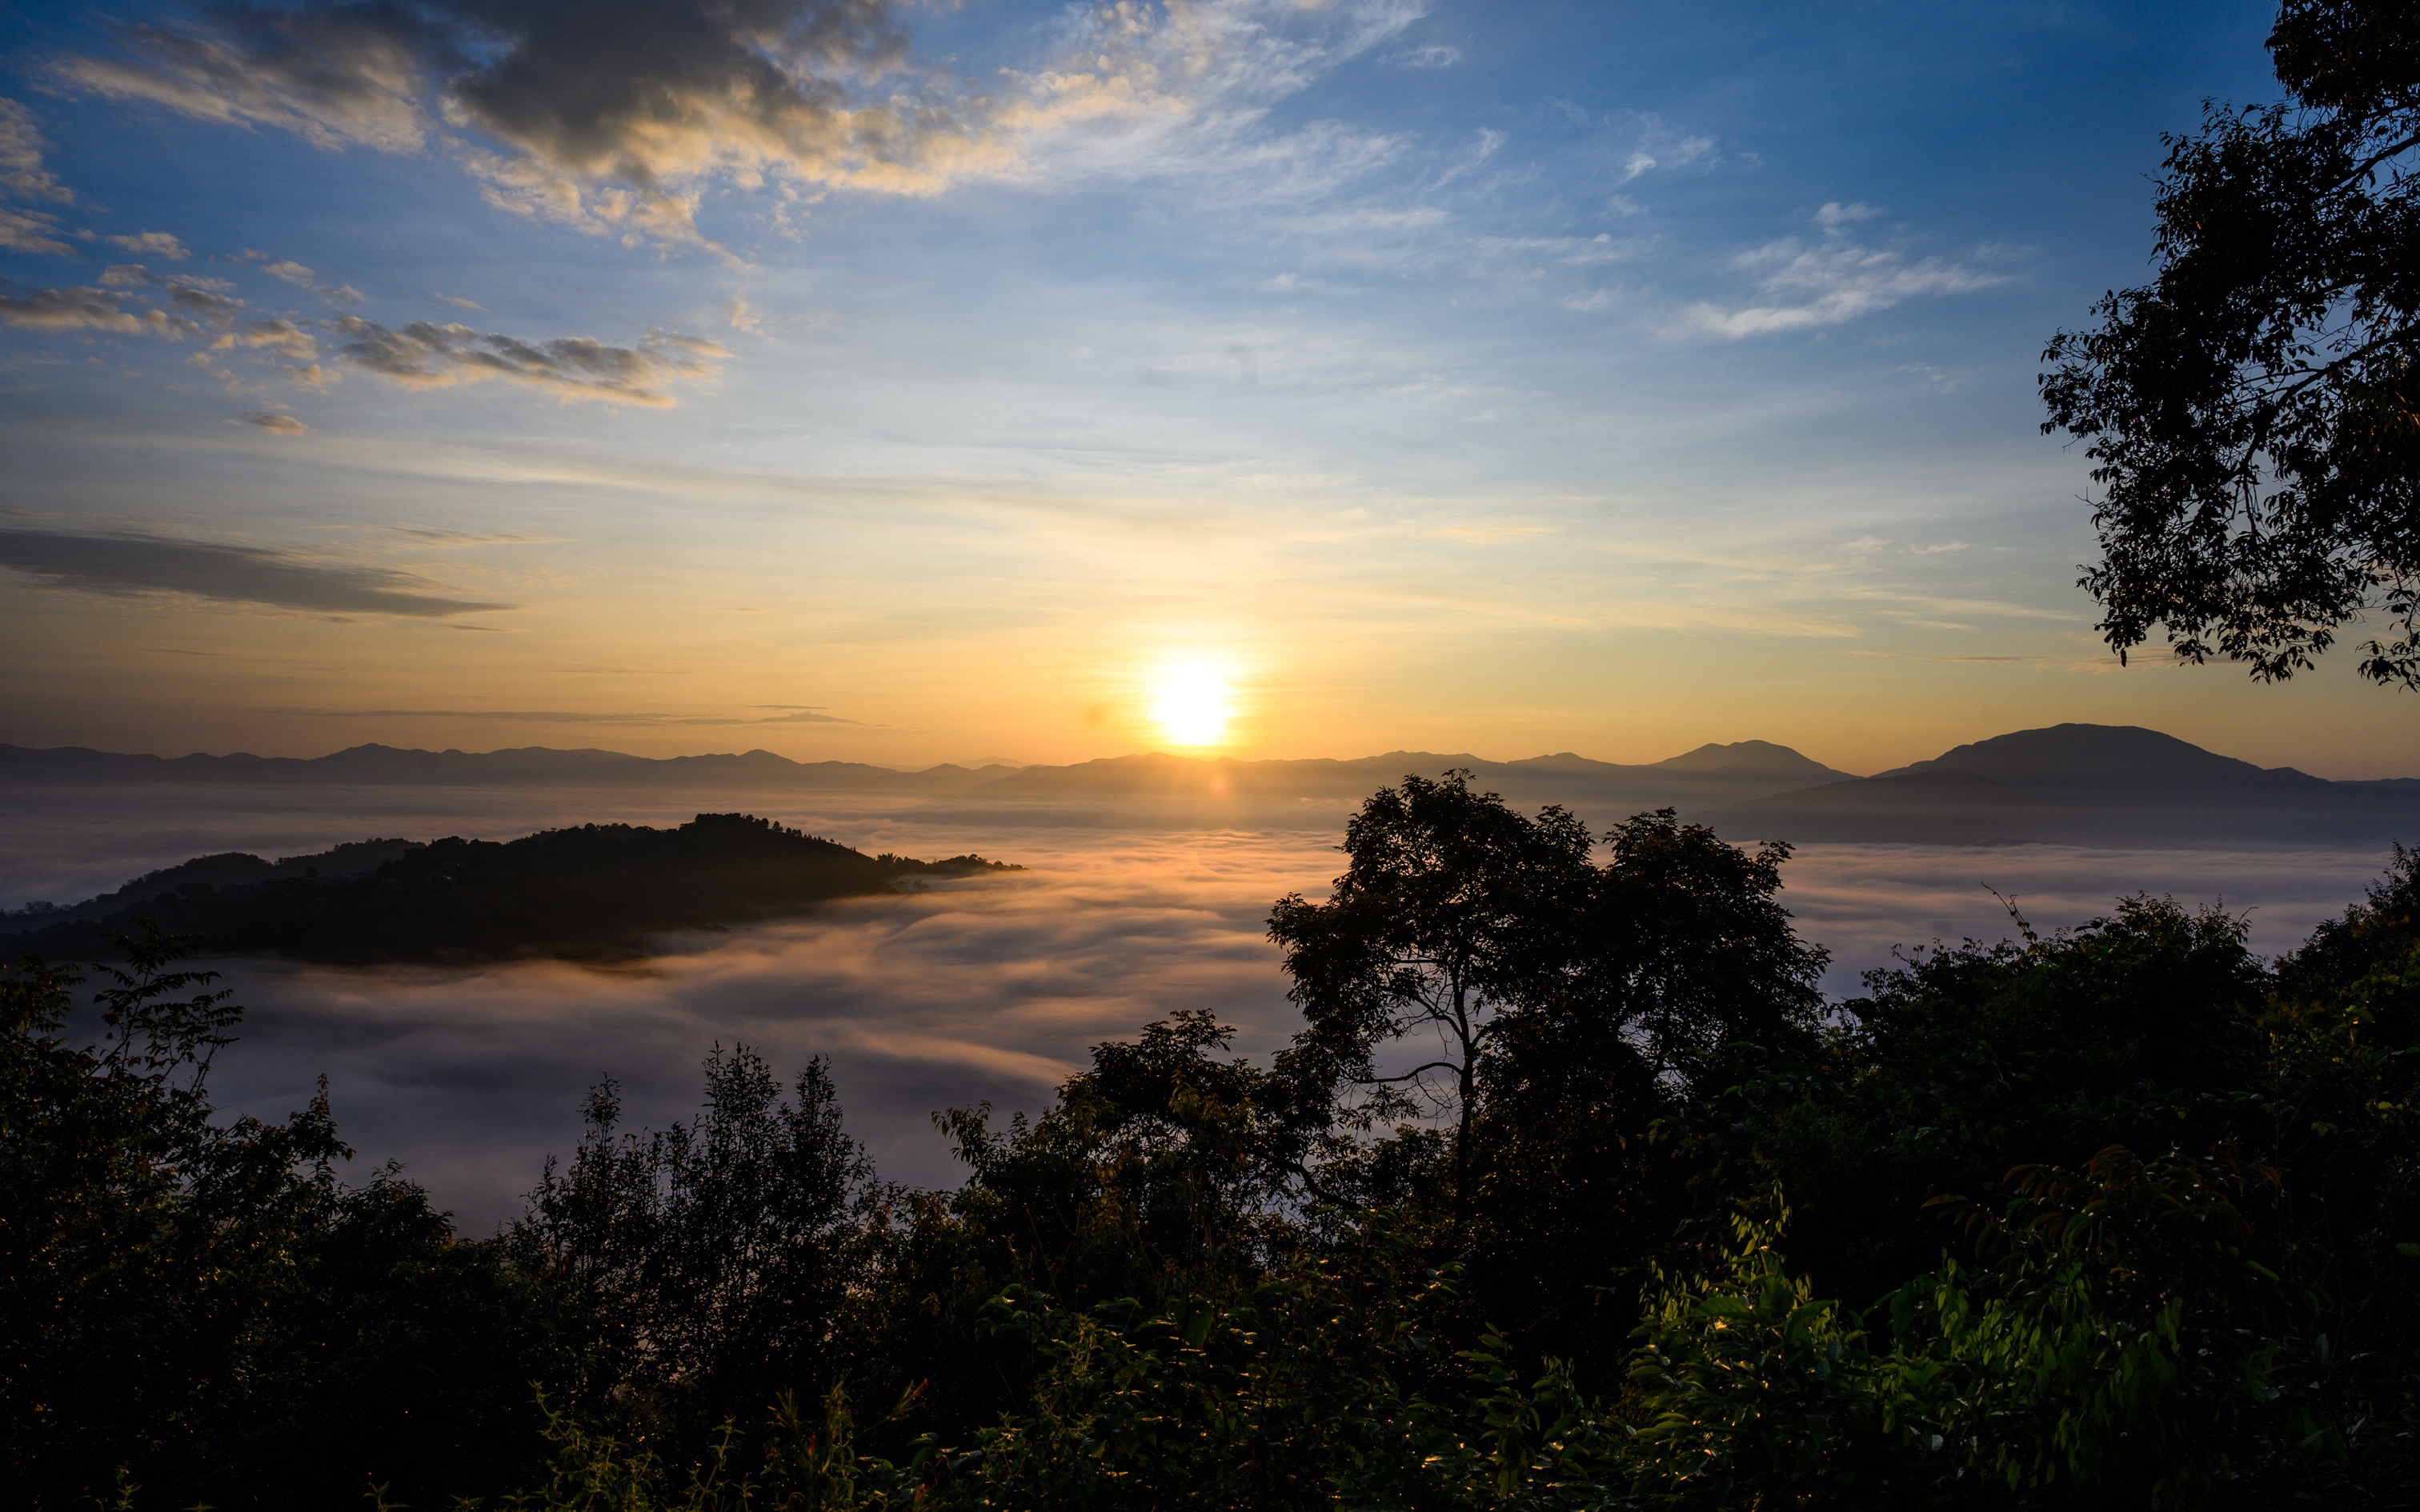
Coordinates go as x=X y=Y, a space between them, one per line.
x=970 y=990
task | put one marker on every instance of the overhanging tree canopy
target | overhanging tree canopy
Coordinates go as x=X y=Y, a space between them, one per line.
x=2252 y=414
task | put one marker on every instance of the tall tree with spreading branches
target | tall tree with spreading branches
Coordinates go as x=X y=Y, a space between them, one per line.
x=1451 y=908
x=2252 y=414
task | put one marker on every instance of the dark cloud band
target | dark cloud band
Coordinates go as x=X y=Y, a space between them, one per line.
x=229 y=574
x=566 y=716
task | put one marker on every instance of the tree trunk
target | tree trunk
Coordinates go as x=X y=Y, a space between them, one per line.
x=1469 y=1088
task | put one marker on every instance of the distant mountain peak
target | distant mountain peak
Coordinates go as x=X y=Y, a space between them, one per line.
x=1761 y=758
x=2084 y=784
x=2113 y=754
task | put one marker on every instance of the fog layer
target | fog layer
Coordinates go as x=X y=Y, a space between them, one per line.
x=990 y=988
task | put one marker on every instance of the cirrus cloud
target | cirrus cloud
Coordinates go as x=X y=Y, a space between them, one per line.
x=1837 y=279
x=336 y=75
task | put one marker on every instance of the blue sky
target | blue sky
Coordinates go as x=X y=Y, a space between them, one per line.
x=910 y=383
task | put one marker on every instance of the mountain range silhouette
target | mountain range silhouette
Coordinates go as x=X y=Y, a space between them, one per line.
x=2070 y=785
x=2086 y=784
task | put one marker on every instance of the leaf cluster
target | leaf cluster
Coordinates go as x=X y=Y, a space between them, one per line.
x=2253 y=414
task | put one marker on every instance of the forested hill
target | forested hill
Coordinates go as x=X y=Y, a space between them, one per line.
x=596 y=892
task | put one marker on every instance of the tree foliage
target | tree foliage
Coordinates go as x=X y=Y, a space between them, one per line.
x=2252 y=414
x=194 y=1310
x=713 y=1255
x=2114 y=1215
x=1451 y=913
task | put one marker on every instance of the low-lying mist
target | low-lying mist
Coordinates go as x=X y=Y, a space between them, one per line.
x=984 y=988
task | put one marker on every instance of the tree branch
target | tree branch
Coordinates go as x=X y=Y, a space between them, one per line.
x=1435 y=1065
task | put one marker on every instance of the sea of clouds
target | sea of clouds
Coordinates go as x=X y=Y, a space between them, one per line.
x=984 y=989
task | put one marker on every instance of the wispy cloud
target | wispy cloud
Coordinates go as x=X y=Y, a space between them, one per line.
x=580 y=717
x=277 y=424
x=22 y=176
x=1652 y=148
x=436 y=535
x=337 y=76
x=1184 y=91
x=152 y=244
x=281 y=337
x=226 y=573
x=22 y=173
x=426 y=355
x=88 y=309
x=195 y=306
x=1837 y=279
x=201 y=300
x=32 y=231
x=619 y=116
x=300 y=276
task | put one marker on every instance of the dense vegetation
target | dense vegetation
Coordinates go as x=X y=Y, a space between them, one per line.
x=1571 y=1192
x=597 y=892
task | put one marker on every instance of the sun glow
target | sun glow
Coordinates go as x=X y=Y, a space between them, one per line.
x=1192 y=703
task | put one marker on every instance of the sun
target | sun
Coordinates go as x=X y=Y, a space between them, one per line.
x=1192 y=703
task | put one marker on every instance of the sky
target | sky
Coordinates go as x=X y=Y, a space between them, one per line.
x=917 y=383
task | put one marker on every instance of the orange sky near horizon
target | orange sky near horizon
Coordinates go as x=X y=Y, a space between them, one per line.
x=1426 y=376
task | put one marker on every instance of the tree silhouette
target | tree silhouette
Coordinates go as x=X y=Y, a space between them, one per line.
x=1452 y=909
x=2252 y=414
